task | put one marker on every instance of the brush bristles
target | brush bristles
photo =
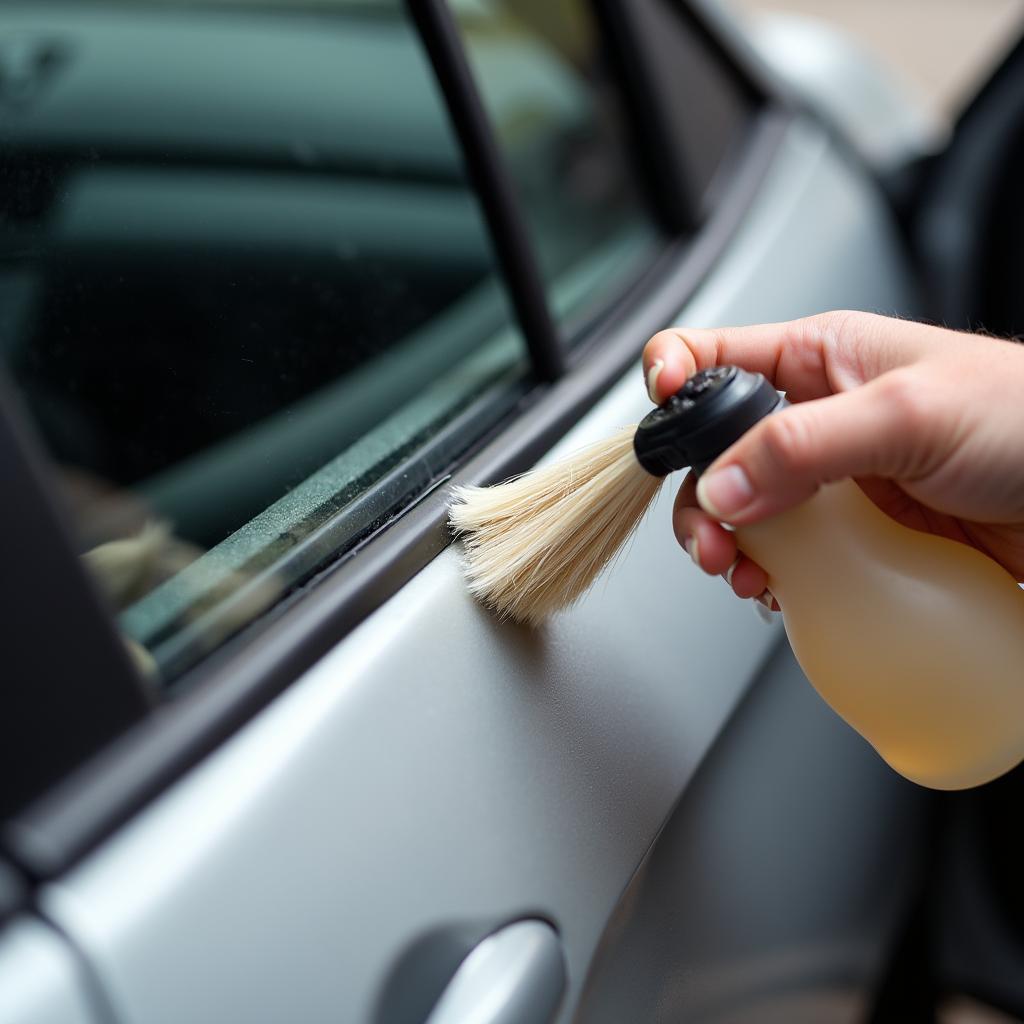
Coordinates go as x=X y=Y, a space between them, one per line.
x=536 y=543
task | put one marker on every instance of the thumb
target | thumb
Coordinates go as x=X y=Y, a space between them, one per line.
x=872 y=430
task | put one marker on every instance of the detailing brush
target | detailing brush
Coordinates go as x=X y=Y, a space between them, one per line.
x=536 y=543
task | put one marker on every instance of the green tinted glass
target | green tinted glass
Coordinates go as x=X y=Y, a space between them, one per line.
x=542 y=75
x=244 y=285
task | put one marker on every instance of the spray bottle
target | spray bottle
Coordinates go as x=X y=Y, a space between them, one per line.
x=915 y=640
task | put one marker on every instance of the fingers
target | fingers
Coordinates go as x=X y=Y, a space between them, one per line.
x=807 y=358
x=747 y=579
x=712 y=547
x=704 y=539
x=883 y=429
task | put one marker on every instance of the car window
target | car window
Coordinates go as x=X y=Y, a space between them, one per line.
x=544 y=80
x=245 y=286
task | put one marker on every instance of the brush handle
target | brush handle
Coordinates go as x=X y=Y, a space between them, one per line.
x=714 y=408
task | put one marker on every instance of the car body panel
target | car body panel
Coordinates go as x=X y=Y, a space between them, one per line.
x=439 y=774
x=41 y=981
x=765 y=895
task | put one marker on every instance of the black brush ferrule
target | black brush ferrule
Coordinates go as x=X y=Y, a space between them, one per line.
x=714 y=408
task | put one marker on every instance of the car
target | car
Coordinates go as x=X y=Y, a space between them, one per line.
x=276 y=279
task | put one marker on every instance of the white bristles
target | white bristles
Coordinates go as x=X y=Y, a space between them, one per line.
x=536 y=543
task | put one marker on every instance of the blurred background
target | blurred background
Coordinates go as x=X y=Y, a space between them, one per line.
x=942 y=50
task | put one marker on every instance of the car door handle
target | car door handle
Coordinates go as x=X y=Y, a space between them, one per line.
x=514 y=976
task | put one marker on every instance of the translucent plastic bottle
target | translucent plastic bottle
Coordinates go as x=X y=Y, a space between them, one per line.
x=915 y=640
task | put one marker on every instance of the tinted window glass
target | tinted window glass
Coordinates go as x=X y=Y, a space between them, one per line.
x=244 y=283
x=543 y=77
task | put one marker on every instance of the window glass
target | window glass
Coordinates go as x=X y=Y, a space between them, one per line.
x=244 y=283
x=544 y=80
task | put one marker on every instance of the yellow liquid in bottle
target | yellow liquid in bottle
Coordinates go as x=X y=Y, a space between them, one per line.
x=915 y=640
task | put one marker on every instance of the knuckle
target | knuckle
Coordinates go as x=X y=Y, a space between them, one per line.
x=836 y=327
x=918 y=415
x=909 y=400
x=788 y=441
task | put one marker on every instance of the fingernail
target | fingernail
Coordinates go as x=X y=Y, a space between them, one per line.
x=730 y=571
x=725 y=492
x=692 y=549
x=766 y=606
x=763 y=604
x=653 y=373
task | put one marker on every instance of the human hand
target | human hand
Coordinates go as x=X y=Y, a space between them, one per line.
x=928 y=421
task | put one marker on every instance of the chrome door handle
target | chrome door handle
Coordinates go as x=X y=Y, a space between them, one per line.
x=514 y=976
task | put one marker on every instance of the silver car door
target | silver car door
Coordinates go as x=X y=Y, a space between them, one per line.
x=439 y=774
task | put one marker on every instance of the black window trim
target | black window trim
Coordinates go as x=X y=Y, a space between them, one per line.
x=490 y=180
x=13 y=892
